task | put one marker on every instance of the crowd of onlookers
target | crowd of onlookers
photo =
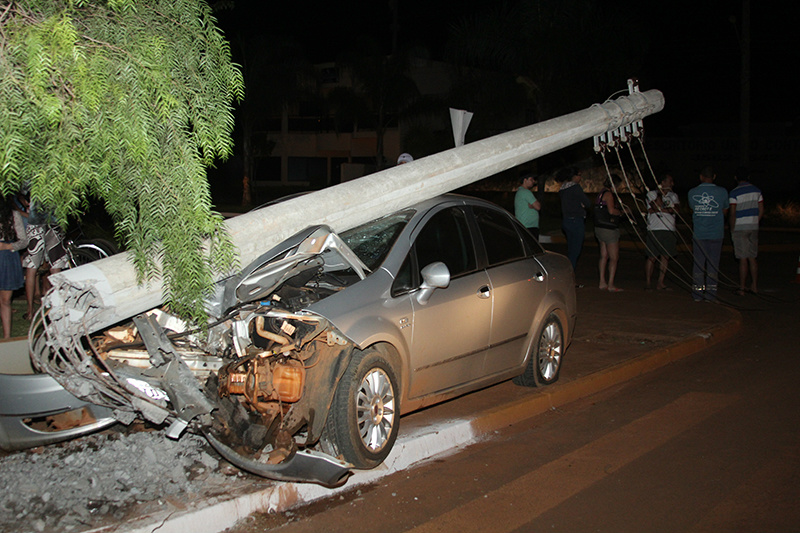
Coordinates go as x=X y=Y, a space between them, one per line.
x=709 y=204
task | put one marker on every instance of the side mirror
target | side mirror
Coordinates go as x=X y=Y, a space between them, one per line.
x=434 y=276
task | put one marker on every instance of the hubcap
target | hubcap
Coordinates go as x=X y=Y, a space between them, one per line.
x=375 y=409
x=550 y=348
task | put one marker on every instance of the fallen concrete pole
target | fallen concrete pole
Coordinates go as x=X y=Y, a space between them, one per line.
x=97 y=295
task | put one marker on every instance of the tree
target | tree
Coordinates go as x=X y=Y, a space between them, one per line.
x=127 y=102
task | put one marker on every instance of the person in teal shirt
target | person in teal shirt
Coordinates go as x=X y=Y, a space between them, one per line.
x=709 y=204
x=526 y=206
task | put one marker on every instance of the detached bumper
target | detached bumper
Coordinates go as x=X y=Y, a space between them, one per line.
x=304 y=465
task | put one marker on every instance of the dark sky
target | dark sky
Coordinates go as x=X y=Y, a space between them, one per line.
x=693 y=54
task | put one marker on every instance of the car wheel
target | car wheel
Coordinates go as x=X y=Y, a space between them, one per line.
x=544 y=364
x=364 y=417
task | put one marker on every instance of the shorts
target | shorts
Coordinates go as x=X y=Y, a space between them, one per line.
x=45 y=243
x=745 y=243
x=662 y=242
x=607 y=235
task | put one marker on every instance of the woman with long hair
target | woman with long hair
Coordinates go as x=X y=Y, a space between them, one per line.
x=13 y=238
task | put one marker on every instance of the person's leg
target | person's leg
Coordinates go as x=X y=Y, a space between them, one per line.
x=613 y=259
x=5 y=312
x=649 y=264
x=753 y=274
x=662 y=272
x=742 y=274
x=30 y=289
x=574 y=239
x=698 y=270
x=714 y=249
x=601 y=264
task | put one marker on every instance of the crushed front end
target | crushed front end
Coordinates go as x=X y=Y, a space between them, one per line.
x=257 y=381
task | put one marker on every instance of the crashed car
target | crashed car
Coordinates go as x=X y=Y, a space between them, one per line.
x=315 y=348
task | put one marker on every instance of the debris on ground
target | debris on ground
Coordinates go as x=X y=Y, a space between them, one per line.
x=107 y=478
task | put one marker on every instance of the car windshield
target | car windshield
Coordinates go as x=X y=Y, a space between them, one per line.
x=372 y=241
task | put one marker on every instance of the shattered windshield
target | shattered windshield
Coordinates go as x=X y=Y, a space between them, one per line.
x=372 y=241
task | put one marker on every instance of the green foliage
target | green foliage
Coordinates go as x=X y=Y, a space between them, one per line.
x=127 y=101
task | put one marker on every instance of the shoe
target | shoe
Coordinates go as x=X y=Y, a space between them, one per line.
x=579 y=285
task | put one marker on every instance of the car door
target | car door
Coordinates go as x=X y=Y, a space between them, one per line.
x=518 y=284
x=450 y=332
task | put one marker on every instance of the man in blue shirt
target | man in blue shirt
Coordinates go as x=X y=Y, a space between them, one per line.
x=708 y=203
x=747 y=208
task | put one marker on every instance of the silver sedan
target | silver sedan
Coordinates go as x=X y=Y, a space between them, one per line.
x=315 y=349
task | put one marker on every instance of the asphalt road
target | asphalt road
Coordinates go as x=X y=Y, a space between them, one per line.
x=710 y=443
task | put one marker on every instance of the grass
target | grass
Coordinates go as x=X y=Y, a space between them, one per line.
x=19 y=326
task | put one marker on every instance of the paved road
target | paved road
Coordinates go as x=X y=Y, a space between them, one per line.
x=709 y=443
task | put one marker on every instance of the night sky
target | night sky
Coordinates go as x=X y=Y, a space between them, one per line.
x=693 y=54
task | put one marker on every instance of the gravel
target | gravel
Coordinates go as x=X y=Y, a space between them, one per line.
x=107 y=478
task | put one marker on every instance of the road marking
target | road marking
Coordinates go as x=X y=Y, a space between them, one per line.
x=531 y=495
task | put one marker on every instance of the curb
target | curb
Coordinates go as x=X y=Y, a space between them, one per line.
x=424 y=443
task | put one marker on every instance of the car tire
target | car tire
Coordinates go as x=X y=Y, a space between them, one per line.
x=544 y=363
x=364 y=417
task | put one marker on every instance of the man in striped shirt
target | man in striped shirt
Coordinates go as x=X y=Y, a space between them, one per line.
x=747 y=208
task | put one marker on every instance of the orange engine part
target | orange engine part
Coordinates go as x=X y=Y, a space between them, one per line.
x=268 y=382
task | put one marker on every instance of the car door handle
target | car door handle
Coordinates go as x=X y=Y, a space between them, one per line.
x=538 y=276
x=484 y=292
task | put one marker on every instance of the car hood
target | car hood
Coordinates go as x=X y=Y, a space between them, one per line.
x=305 y=252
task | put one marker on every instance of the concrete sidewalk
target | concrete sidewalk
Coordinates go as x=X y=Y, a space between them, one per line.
x=618 y=336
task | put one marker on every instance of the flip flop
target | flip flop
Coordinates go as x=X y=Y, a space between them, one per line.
x=615 y=289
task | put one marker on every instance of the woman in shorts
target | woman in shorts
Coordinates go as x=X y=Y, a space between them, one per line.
x=606 y=230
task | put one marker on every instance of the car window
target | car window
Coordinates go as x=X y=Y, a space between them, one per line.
x=532 y=246
x=404 y=281
x=500 y=237
x=446 y=238
x=372 y=241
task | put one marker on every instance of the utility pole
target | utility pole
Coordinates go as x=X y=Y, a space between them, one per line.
x=93 y=296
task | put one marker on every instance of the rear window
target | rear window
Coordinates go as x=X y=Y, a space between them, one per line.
x=500 y=237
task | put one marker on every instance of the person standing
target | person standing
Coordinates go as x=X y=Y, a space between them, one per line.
x=606 y=230
x=709 y=203
x=747 y=209
x=12 y=239
x=574 y=204
x=662 y=239
x=526 y=206
x=45 y=243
